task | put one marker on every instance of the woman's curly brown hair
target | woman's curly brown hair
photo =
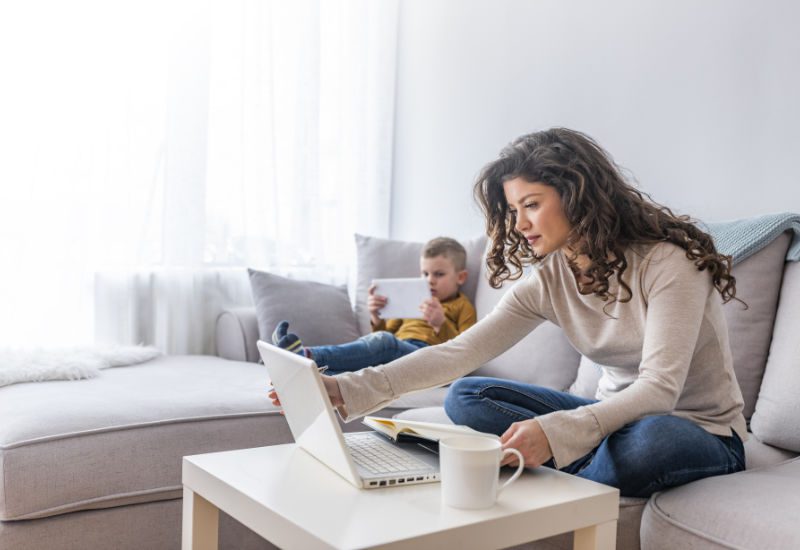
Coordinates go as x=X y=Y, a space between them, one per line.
x=606 y=213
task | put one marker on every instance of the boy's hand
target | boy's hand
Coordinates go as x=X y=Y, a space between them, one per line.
x=433 y=313
x=375 y=303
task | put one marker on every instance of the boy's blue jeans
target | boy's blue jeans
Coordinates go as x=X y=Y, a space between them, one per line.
x=643 y=457
x=373 y=349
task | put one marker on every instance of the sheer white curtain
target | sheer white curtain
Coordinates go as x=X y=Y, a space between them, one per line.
x=154 y=149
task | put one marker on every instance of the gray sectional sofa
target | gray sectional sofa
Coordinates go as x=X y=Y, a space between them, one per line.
x=96 y=463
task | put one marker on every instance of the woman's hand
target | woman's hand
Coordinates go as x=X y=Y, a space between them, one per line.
x=331 y=386
x=273 y=395
x=528 y=438
x=334 y=393
x=433 y=313
x=375 y=303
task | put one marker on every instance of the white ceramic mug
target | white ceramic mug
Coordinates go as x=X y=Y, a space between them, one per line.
x=470 y=470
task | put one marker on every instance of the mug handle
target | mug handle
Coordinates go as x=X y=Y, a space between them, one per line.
x=519 y=468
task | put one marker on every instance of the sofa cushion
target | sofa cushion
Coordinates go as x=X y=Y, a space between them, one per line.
x=758 y=283
x=119 y=438
x=433 y=414
x=382 y=258
x=775 y=420
x=585 y=384
x=433 y=397
x=758 y=454
x=320 y=314
x=751 y=509
x=544 y=357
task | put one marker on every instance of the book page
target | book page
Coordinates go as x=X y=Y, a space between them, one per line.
x=429 y=430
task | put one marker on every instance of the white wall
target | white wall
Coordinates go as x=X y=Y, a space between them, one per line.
x=699 y=99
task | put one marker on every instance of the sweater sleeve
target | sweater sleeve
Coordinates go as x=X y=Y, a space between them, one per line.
x=465 y=318
x=676 y=296
x=515 y=316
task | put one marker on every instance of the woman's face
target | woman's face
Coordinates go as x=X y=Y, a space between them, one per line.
x=538 y=215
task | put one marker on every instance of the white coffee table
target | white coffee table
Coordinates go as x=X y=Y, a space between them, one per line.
x=289 y=498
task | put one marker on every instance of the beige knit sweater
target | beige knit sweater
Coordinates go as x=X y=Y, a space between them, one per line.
x=667 y=349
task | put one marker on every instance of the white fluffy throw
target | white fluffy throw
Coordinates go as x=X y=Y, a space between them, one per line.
x=40 y=364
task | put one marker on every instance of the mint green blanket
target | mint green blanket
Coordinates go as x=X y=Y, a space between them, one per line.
x=743 y=238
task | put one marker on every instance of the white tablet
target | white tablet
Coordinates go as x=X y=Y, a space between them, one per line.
x=404 y=296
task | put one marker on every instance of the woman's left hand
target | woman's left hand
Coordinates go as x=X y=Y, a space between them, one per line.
x=528 y=438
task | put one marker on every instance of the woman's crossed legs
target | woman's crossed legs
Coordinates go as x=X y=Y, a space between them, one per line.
x=645 y=456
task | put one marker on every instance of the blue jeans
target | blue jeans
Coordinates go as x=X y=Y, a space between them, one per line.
x=642 y=457
x=373 y=349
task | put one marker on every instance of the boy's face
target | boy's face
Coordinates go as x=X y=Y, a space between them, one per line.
x=443 y=279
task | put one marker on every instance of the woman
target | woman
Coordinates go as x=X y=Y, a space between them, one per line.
x=632 y=285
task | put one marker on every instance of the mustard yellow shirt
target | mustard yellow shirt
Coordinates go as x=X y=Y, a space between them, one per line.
x=459 y=315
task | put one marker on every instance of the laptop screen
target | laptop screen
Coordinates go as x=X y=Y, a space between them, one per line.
x=308 y=409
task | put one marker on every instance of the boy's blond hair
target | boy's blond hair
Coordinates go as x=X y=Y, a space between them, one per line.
x=449 y=248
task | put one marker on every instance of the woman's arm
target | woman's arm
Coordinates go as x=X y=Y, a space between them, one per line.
x=677 y=294
x=372 y=388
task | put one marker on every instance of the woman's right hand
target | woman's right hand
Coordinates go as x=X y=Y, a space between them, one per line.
x=331 y=387
x=334 y=393
x=528 y=437
x=375 y=303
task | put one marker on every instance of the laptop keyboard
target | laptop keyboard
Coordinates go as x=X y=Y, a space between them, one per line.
x=380 y=457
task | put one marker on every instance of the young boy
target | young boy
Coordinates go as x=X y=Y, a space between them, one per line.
x=446 y=314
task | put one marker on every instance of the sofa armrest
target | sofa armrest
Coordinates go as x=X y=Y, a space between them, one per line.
x=236 y=334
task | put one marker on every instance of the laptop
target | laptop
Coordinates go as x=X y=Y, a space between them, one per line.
x=368 y=460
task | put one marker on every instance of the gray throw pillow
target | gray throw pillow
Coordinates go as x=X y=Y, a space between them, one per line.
x=778 y=408
x=383 y=258
x=758 y=283
x=320 y=314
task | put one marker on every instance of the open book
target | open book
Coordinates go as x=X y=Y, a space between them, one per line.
x=407 y=431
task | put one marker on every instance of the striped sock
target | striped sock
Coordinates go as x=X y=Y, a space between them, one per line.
x=292 y=342
x=280 y=331
x=289 y=341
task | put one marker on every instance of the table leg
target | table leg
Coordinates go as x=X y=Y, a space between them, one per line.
x=596 y=537
x=200 y=522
